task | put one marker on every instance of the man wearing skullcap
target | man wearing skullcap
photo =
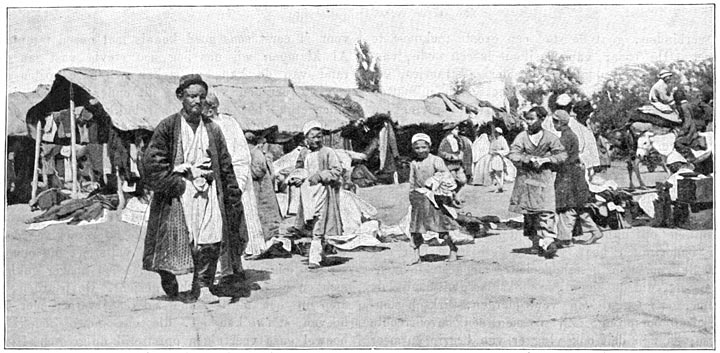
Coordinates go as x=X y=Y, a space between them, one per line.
x=571 y=191
x=319 y=209
x=427 y=215
x=660 y=95
x=535 y=152
x=196 y=200
x=564 y=102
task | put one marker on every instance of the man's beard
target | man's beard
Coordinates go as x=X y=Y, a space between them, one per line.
x=534 y=128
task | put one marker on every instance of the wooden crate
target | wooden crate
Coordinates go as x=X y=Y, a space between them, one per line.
x=695 y=190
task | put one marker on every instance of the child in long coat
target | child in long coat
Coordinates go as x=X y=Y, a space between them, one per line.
x=424 y=215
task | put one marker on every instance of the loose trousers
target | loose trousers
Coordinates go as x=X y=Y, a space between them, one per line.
x=568 y=218
x=540 y=227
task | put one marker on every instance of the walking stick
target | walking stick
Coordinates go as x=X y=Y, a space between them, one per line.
x=142 y=225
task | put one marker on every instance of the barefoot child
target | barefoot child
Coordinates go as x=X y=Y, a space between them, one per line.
x=425 y=216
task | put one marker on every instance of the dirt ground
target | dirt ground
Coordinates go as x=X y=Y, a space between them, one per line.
x=636 y=288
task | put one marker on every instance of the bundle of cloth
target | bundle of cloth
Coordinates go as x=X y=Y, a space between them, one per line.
x=78 y=210
x=610 y=205
x=360 y=231
x=47 y=199
x=360 y=226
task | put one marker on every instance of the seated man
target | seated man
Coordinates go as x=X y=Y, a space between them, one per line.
x=660 y=96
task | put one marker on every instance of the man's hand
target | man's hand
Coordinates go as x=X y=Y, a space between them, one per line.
x=181 y=168
x=197 y=172
x=295 y=182
x=314 y=179
x=537 y=162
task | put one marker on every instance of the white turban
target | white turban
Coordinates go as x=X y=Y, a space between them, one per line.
x=421 y=137
x=563 y=100
x=312 y=124
x=664 y=73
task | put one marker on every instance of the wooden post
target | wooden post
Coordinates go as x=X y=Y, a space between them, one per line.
x=105 y=158
x=73 y=157
x=120 y=192
x=38 y=136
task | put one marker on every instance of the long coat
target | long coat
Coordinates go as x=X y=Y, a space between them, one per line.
x=454 y=159
x=261 y=170
x=167 y=245
x=534 y=188
x=329 y=222
x=571 y=189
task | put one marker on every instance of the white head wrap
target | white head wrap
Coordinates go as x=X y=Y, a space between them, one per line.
x=664 y=73
x=563 y=100
x=421 y=137
x=312 y=124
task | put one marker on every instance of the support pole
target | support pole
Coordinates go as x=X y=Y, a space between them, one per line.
x=120 y=192
x=73 y=157
x=38 y=135
x=105 y=158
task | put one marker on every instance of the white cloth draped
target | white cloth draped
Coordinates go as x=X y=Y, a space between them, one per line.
x=200 y=204
x=587 y=145
x=480 y=149
x=237 y=147
x=313 y=197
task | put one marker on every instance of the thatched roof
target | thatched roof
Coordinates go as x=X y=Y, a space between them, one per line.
x=18 y=104
x=141 y=101
x=404 y=111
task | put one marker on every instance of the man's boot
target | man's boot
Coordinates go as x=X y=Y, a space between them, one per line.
x=205 y=257
x=169 y=284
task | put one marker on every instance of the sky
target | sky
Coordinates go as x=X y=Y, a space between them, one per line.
x=421 y=49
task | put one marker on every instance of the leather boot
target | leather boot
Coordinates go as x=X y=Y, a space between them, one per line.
x=205 y=258
x=169 y=283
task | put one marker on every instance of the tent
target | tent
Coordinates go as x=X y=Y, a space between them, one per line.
x=20 y=170
x=18 y=104
x=140 y=101
x=360 y=104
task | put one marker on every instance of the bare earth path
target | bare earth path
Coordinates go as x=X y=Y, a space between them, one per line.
x=637 y=288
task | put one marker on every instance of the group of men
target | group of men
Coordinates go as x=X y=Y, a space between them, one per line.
x=198 y=166
x=205 y=208
x=551 y=188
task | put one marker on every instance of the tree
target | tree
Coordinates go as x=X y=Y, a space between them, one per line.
x=552 y=75
x=368 y=72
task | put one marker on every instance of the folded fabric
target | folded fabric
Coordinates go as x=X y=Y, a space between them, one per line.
x=363 y=237
x=45 y=224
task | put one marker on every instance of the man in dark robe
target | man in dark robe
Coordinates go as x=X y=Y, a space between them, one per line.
x=196 y=200
x=572 y=193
